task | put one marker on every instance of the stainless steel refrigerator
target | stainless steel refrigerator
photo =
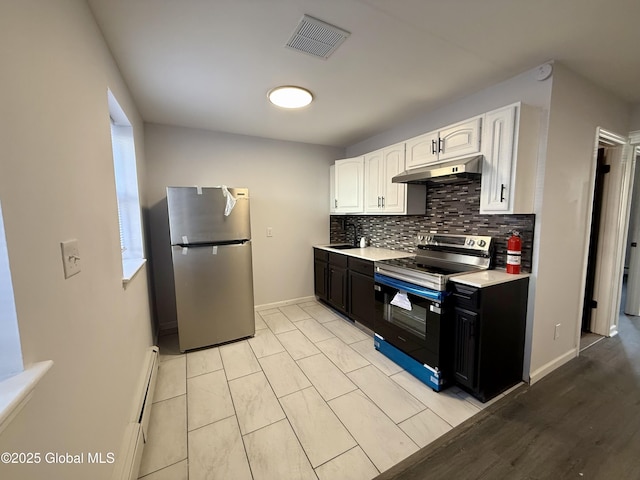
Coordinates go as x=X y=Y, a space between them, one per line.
x=211 y=253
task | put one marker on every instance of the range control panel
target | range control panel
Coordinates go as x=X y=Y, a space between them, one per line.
x=468 y=242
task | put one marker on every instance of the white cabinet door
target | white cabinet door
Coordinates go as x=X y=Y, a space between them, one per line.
x=394 y=199
x=381 y=194
x=373 y=182
x=497 y=145
x=510 y=138
x=422 y=150
x=457 y=140
x=460 y=139
x=333 y=201
x=349 y=183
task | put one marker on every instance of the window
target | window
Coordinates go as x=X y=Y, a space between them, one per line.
x=10 y=351
x=16 y=382
x=124 y=166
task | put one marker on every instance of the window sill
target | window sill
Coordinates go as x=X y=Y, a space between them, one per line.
x=16 y=391
x=130 y=267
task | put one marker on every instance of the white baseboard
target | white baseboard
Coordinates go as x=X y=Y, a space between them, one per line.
x=539 y=373
x=267 y=306
x=135 y=435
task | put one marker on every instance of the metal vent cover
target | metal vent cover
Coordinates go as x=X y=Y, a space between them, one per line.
x=317 y=38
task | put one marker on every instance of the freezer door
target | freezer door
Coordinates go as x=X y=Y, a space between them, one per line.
x=196 y=215
x=214 y=294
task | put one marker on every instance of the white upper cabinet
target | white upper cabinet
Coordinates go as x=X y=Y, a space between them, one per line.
x=349 y=185
x=373 y=173
x=422 y=150
x=510 y=149
x=381 y=194
x=333 y=201
x=460 y=139
x=394 y=195
x=457 y=140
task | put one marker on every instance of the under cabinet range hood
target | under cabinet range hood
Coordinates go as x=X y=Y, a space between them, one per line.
x=443 y=172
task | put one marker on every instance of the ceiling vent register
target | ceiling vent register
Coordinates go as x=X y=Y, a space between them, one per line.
x=317 y=38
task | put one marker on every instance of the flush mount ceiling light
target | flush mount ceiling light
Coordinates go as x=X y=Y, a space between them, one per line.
x=290 y=97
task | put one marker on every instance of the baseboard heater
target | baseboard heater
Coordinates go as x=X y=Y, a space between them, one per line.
x=136 y=434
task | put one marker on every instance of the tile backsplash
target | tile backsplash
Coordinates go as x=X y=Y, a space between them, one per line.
x=450 y=208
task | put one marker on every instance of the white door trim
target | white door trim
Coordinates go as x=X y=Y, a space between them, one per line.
x=616 y=216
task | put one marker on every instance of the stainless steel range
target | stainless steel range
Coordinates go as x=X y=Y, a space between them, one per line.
x=439 y=257
x=412 y=323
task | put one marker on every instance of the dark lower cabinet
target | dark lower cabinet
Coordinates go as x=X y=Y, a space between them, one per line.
x=489 y=333
x=465 y=360
x=346 y=283
x=337 y=289
x=321 y=272
x=361 y=293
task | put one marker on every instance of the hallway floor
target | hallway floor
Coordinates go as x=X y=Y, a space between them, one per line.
x=307 y=397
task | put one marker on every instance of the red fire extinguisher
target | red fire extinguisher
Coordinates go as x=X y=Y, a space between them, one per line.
x=514 y=252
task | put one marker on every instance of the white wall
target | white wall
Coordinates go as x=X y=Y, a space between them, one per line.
x=289 y=189
x=57 y=183
x=577 y=108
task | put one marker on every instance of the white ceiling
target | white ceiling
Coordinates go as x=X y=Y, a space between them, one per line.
x=209 y=63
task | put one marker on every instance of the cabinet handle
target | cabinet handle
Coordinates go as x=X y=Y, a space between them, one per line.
x=378 y=201
x=433 y=147
x=502 y=187
x=382 y=202
x=440 y=144
x=336 y=202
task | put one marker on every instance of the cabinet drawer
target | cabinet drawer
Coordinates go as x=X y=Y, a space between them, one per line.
x=320 y=255
x=361 y=266
x=465 y=296
x=338 y=259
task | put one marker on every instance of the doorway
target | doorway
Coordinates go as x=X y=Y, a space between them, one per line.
x=596 y=214
x=604 y=262
x=631 y=286
x=587 y=337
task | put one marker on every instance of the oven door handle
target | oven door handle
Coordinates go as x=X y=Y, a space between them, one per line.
x=409 y=288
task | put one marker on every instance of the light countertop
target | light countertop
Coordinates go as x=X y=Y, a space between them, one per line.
x=368 y=253
x=486 y=278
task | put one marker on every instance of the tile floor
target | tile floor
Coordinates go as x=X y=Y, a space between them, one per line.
x=307 y=397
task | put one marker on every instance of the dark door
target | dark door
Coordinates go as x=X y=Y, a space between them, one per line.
x=321 y=270
x=466 y=347
x=589 y=302
x=337 y=287
x=361 y=298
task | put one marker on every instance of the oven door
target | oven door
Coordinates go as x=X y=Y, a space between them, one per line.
x=409 y=317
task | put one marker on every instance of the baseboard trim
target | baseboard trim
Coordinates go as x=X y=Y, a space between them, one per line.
x=541 y=372
x=283 y=303
x=136 y=432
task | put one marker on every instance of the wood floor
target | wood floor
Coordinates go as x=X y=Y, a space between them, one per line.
x=580 y=422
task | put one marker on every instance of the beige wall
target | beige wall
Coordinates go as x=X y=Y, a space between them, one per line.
x=289 y=188
x=577 y=108
x=57 y=183
x=635 y=118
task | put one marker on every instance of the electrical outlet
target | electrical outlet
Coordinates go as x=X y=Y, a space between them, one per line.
x=556 y=332
x=269 y=231
x=70 y=257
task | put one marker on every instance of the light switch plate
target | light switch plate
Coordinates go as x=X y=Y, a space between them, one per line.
x=70 y=257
